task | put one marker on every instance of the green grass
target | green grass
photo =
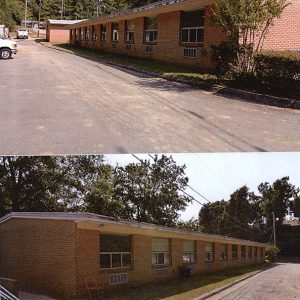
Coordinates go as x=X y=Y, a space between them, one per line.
x=167 y=70
x=188 y=74
x=185 y=289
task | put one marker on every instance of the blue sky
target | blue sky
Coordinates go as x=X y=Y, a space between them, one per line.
x=217 y=175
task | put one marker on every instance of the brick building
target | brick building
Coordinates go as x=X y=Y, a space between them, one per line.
x=176 y=31
x=57 y=31
x=52 y=253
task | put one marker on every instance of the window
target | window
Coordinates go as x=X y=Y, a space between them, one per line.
x=209 y=252
x=160 y=251
x=103 y=33
x=190 y=52
x=115 y=32
x=224 y=252
x=86 y=33
x=192 y=26
x=234 y=252
x=129 y=34
x=255 y=252
x=94 y=34
x=261 y=252
x=249 y=252
x=189 y=251
x=80 y=34
x=151 y=26
x=115 y=251
x=243 y=252
x=76 y=34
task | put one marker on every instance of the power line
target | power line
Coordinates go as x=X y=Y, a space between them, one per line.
x=203 y=197
x=246 y=229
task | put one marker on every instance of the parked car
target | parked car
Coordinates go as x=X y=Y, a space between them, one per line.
x=7 y=48
x=22 y=33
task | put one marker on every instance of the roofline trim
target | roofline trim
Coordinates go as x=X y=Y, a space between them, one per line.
x=90 y=217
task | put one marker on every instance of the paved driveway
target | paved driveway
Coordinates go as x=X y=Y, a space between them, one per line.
x=53 y=102
x=279 y=283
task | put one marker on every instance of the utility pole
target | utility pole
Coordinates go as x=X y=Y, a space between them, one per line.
x=26 y=7
x=39 y=21
x=274 y=228
x=62 y=9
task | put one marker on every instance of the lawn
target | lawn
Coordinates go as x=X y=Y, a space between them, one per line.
x=189 y=74
x=166 y=70
x=185 y=289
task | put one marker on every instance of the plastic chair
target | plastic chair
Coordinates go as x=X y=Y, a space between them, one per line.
x=93 y=288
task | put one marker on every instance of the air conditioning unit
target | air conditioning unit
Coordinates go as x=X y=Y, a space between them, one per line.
x=118 y=278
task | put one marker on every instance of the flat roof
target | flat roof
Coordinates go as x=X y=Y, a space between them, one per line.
x=64 y=22
x=162 y=6
x=90 y=217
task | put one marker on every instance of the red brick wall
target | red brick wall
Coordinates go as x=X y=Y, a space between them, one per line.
x=58 y=34
x=168 y=46
x=39 y=254
x=285 y=34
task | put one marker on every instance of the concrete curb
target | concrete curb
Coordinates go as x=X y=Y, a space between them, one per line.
x=233 y=94
x=219 y=290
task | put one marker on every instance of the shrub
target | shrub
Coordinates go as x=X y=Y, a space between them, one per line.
x=224 y=55
x=272 y=252
x=279 y=70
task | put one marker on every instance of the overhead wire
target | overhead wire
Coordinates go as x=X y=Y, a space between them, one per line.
x=246 y=229
x=206 y=199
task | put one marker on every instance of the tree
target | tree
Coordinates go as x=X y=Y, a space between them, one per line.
x=211 y=217
x=247 y=23
x=11 y=12
x=144 y=191
x=277 y=198
x=45 y=183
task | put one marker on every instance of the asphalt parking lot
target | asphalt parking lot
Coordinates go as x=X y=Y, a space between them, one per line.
x=54 y=102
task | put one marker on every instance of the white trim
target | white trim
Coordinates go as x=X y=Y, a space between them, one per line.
x=90 y=217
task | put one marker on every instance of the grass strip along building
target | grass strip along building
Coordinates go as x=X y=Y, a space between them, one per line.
x=175 y=31
x=53 y=253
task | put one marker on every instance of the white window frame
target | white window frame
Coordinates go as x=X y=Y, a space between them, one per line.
x=149 y=31
x=116 y=253
x=167 y=258
x=127 y=40
x=189 y=34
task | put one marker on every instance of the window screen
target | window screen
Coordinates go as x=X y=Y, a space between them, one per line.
x=115 y=243
x=160 y=245
x=192 y=18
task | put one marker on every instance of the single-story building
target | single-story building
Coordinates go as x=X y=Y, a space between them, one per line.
x=53 y=253
x=176 y=31
x=57 y=32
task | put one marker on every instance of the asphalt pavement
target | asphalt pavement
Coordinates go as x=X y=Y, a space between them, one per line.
x=279 y=283
x=53 y=102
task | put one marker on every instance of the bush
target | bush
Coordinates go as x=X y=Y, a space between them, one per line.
x=224 y=55
x=279 y=71
x=272 y=252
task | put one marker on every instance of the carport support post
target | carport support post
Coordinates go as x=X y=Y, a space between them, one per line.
x=274 y=228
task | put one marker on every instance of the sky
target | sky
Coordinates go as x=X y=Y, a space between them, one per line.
x=218 y=175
